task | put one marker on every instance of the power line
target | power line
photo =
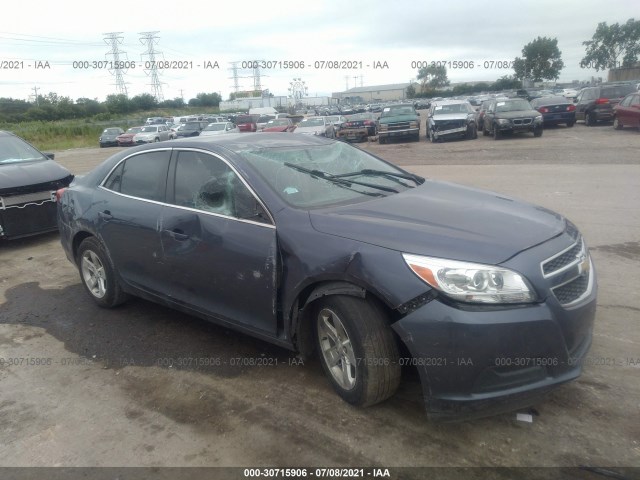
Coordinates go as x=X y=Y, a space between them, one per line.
x=150 y=38
x=113 y=39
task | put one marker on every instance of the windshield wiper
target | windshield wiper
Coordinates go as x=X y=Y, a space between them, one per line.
x=339 y=181
x=368 y=171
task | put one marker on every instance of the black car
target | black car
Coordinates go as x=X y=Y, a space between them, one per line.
x=511 y=115
x=29 y=180
x=109 y=137
x=555 y=110
x=595 y=104
x=191 y=129
x=311 y=243
x=358 y=127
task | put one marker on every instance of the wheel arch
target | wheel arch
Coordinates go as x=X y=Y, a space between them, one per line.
x=301 y=326
x=78 y=238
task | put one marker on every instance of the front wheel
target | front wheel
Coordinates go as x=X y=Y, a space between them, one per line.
x=382 y=140
x=97 y=274
x=537 y=132
x=357 y=349
x=472 y=132
x=570 y=124
x=616 y=124
x=496 y=133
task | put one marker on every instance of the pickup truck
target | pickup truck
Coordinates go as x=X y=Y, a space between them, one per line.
x=399 y=120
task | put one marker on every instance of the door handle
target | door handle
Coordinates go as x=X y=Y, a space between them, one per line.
x=178 y=234
x=106 y=215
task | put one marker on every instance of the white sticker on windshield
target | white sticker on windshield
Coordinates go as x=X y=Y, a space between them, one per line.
x=439 y=107
x=386 y=109
x=499 y=104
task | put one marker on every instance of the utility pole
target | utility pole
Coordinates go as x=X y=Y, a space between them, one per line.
x=151 y=67
x=35 y=92
x=114 y=39
x=234 y=73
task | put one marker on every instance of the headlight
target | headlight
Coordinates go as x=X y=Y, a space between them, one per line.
x=538 y=118
x=383 y=126
x=503 y=121
x=471 y=282
x=413 y=124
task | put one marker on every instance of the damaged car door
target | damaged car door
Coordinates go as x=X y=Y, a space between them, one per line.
x=219 y=243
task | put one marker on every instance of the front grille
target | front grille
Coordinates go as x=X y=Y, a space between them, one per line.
x=569 y=273
x=20 y=201
x=399 y=126
x=522 y=121
x=562 y=260
x=570 y=292
x=449 y=124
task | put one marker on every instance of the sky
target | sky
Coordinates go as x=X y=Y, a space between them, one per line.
x=47 y=47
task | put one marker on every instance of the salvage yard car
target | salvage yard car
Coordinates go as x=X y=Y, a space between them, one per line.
x=152 y=133
x=555 y=110
x=126 y=139
x=451 y=119
x=511 y=115
x=627 y=112
x=358 y=127
x=29 y=180
x=109 y=137
x=398 y=121
x=313 y=244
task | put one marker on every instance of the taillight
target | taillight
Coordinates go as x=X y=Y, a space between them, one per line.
x=543 y=110
x=59 y=194
x=602 y=101
x=368 y=122
x=571 y=108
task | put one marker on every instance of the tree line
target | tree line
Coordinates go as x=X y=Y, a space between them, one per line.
x=611 y=46
x=54 y=107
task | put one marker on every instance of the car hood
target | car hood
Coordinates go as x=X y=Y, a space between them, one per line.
x=518 y=114
x=319 y=129
x=399 y=118
x=208 y=133
x=15 y=176
x=444 y=220
x=126 y=135
x=450 y=116
x=281 y=128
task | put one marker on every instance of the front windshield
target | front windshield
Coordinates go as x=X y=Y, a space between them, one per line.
x=13 y=150
x=134 y=130
x=112 y=131
x=301 y=189
x=149 y=129
x=311 y=122
x=512 y=106
x=451 y=108
x=397 y=110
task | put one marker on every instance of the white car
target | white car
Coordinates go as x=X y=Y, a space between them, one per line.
x=336 y=121
x=219 y=128
x=152 y=133
x=315 y=126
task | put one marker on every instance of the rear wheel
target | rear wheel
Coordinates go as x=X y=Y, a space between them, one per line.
x=97 y=274
x=357 y=349
x=589 y=119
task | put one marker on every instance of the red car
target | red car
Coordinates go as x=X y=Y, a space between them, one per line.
x=247 y=123
x=279 y=125
x=627 y=112
x=126 y=139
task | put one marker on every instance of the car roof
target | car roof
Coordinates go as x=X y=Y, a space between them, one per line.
x=237 y=142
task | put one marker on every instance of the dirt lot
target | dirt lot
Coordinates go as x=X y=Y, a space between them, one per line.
x=112 y=390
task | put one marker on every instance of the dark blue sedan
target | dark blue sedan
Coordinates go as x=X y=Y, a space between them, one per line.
x=313 y=244
x=555 y=110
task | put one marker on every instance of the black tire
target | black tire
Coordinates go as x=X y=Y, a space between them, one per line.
x=485 y=132
x=156 y=139
x=93 y=261
x=616 y=124
x=496 y=133
x=382 y=140
x=537 y=132
x=589 y=119
x=471 y=132
x=366 y=370
x=570 y=124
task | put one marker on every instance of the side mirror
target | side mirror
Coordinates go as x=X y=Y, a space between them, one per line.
x=50 y=155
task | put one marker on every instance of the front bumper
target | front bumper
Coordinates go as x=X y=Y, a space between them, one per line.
x=450 y=133
x=28 y=219
x=407 y=132
x=475 y=361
